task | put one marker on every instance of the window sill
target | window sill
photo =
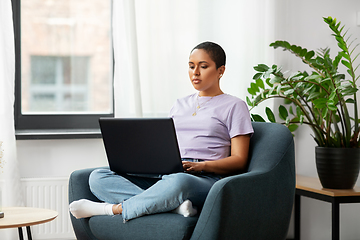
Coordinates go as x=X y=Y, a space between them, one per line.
x=57 y=134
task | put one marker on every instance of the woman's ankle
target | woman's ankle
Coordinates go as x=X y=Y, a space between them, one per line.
x=117 y=209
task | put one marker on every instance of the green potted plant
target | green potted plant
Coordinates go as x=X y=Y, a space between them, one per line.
x=324 y=99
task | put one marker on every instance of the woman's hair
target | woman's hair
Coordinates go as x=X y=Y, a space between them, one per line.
x=215 y=51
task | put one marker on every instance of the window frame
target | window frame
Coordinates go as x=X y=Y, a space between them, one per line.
x=50 y=126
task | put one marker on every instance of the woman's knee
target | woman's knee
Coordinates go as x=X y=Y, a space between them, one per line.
x=97 y=177
x=181 y=181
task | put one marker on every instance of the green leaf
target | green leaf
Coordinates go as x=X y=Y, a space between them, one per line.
x=295 y=49
x=345 y=85
x=287 y=101
x=276 y=79
x=282 y=44
x=344 y=55
x=286 y=45
x=331 y=106
x=270 y=115
x=303 y=52
x=283 y=113
x=341 y=29
x=302 y=119
x=313 y=77
x=320 y=103
x=291 y=110
x=248 y=101
x=332 y=96
x=261 y=68
x=289 y=92
x=293 y=127
x=309 y=55
x=349 y=72
x=324 y=112
x=328 y=20
x=299 y=111
x=328 y=62
x=254 y=87
x=339 y=39
x=313 y=95
x=350 y=100
x=342 y=46
x=325 y=80
x=295 y=119
x=257 y=99
x=257 y=76
x=349 y=91
x=287 y=122
x=339 y=77
x=260 y=83
x=251 y=91
x=257 y=118
x=268 y=82
x=346 y=64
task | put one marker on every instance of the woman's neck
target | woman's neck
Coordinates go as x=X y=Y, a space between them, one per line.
x=206 y=94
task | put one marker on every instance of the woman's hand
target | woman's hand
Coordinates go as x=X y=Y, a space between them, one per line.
x=193 y=166
x=237 y=161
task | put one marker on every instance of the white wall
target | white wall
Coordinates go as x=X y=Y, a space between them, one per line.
x=58 y=158
x=299 y=22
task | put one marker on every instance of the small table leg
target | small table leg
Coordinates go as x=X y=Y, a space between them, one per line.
x=29 y=232
x=21 y=236
x=297 y=217
x=335 y=221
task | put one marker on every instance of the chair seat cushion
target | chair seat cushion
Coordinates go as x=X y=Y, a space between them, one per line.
x=158 y=226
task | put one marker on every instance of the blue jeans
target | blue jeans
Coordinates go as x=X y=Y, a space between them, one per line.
x=145 y=195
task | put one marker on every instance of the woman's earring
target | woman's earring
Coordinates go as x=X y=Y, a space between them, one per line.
x=220 y=75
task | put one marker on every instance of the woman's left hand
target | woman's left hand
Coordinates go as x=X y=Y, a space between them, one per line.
x=236 y=162
x=193 y=166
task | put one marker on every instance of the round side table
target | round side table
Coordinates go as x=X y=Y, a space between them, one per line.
x=18 y=217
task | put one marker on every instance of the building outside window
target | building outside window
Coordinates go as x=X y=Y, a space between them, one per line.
x=58 y=84
x=66 y=59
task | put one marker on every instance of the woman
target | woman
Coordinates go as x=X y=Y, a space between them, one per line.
x=213 y=131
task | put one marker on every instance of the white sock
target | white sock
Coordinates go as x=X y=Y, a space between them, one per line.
x=186 y=209
x=84 y=208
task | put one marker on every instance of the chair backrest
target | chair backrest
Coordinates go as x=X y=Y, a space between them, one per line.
x=268 y=144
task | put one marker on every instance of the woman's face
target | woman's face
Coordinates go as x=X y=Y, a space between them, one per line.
x=203 y=73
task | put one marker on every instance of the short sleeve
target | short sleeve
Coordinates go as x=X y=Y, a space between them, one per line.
x=238 y=120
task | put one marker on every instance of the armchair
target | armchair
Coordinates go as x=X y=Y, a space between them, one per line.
x=253 y=205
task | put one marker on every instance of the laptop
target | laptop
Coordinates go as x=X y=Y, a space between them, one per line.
x=141 y=145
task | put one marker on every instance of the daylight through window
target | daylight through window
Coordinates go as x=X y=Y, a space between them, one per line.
x=66 y=57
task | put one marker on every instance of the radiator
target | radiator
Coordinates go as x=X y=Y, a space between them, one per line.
x=50 y=193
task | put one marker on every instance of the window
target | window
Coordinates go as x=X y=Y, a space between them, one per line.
x=58 y=84
x=64 y=67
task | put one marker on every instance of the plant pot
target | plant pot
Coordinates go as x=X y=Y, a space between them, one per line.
x=338 y=168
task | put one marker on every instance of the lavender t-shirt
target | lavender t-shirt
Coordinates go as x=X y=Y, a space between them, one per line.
x=207 y=135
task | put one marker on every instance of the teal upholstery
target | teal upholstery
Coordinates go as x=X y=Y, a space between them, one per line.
x=253 y=205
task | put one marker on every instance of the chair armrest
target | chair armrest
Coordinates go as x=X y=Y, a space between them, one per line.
x=79 y=185
x=253 y=205
x=79 y=189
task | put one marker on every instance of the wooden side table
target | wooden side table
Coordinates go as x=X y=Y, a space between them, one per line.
x=311 y=187
x=18 y=217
